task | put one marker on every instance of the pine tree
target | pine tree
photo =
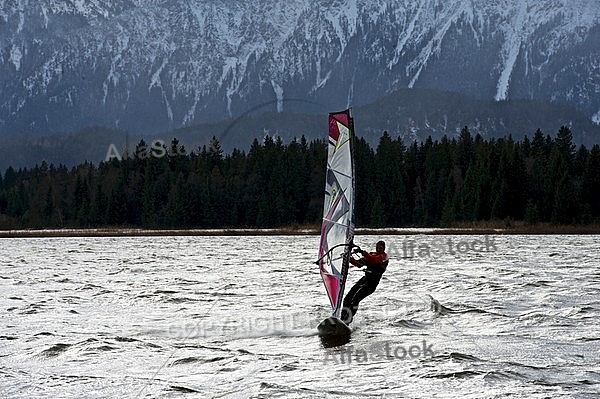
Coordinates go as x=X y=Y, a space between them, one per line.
x=531 y=213
x=590 y=192
x=377 y=213
x=564 y=142
x=564 y=208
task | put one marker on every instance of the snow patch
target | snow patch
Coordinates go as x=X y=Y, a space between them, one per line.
x=80 y=6
x=403 y=38
x=346 y=16
x=191 y=114
x=45 y=15
x=16 y=56
x=230 y=65
x=112 y=77
x=434 y=45
x=278 y=94
x=155 y=79
x=21 y=22
x=511 y=50
x=320 y=81
x=351 y=91
x=596 y=118
x=156 y=82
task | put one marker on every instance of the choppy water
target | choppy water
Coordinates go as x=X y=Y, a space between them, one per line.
x=235 y=317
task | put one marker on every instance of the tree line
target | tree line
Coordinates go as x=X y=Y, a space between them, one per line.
x=432 y=183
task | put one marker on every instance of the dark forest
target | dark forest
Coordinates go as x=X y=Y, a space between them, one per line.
x=441 y=183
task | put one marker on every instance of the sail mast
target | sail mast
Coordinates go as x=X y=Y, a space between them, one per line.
x=350 y=230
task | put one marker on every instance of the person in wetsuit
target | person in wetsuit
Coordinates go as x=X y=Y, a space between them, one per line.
x=376 y=263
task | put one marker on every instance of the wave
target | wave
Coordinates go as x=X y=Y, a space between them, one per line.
x=55 y=350
x=457 y=356
x=90 y=345
x=126 y=339
x=89 y=286
x=537 y=283
x=408 y=323
x=436 y=307
x=166 y=292
x=193 y=359
x=44 y=333
x=181 y=300
x=456 y=374
x=485 y=374
x=276 y=390
x=439 y=309
x=181 y=389
x=588 y=339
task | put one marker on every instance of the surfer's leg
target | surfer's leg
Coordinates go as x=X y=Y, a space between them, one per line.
x=351 y=303
x=346 y=315
x=365 y=289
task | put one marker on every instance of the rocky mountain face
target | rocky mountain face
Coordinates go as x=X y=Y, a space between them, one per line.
x=150 y=66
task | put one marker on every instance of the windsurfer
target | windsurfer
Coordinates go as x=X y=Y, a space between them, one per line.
x=376 y=263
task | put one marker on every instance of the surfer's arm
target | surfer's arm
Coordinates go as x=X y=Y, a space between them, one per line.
x=357 y=262
x=374 y=259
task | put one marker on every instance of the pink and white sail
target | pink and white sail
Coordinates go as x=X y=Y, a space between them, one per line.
x=337 y=231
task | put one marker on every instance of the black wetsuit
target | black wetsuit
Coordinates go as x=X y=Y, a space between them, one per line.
x=363 y=288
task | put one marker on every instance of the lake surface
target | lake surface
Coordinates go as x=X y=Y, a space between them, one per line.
x=462 y=316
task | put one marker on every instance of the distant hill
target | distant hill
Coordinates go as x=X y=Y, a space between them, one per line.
x=409 y=114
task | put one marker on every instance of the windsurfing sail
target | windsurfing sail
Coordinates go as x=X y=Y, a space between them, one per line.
x=337 y=230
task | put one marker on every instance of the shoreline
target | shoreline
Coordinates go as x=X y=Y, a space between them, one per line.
x=459 y=230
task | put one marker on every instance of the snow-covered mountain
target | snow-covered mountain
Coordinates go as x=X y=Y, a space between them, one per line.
x=154 y=65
